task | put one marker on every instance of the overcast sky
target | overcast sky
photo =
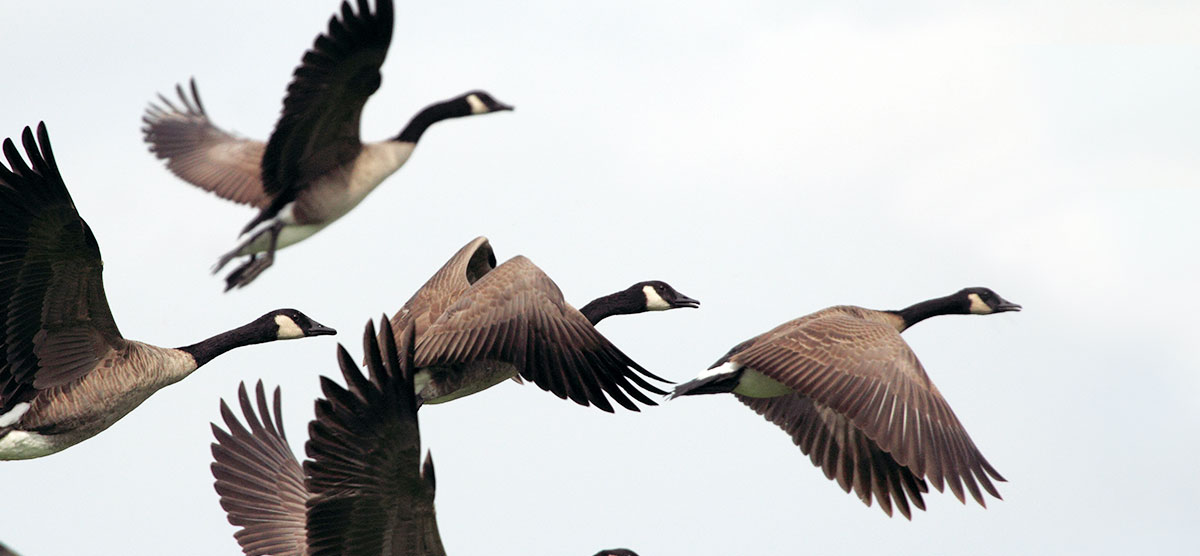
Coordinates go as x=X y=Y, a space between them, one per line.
x=769 y=158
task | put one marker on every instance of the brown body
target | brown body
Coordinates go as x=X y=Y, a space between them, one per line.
x=66 y=371
x=851 y=393
x=86 y=406
x=478 y=324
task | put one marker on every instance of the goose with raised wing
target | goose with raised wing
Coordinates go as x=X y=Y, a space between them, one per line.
x=363 y=490
x=478 y=324
x=66 y=372
x=851 y=393
x=314 y=168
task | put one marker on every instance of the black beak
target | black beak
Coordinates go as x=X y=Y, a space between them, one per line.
x=684 y=301
x=319 y=329
x=501 y=106
x=1005 y=306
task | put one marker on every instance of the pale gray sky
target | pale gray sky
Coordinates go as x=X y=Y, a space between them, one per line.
x=769 y=158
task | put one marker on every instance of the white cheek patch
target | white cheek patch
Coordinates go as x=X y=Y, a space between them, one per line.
x=477 y=106
x=654 y=302
x=288 y=329
x=978 y=307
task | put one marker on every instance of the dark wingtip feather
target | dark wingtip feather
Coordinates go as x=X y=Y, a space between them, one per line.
x=427 y=471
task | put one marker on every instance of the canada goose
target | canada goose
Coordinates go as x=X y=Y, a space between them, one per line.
x=363 y=490
x=66 y=373
x=853 y=396
x=5 y=551
x=478 y=324
x=364 y=487
x=314 y=168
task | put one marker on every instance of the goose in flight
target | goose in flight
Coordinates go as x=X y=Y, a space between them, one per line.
x=364 y=489
x=478 y=324
x=851 y=393
x=66 y=372
x=314 y=168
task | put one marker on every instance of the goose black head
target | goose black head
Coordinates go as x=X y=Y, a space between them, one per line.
x=290 y=324
x=983 y=301
x=480 y=102
x=652 y=295
x=660 y=296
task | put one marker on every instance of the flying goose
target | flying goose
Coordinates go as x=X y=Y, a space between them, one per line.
x=364 y=489
x=478 y=324
x=853 y=396
x=66 y=372
x=314 y=168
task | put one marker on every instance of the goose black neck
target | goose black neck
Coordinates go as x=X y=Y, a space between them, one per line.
x=620 y=303
x=209 y=349
x=432 y=114
x=949 y=305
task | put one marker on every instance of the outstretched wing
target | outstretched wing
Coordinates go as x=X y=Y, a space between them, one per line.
x=319 y=127
x=258 y=478
x=864 y=372
x=203 y=154
x=843 y=452
x=55 y=324
x=371 y=495
x=516 y=314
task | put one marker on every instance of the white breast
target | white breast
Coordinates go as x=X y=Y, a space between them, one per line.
x=376 y=162
x=339 y=192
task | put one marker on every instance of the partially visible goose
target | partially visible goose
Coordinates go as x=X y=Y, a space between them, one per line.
x=854 y=397
x=478 y=324
x=66 y=372
x=314 y=168
x=363 y=490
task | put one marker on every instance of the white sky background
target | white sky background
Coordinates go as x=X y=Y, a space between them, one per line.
x=767 y=158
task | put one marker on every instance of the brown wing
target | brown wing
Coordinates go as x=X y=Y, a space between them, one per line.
x=466 y=267
x=319 y=127
x=516 y=314
x=843 y=452
x=863 y=370
x=54 y=318
x=203 y=154
x=370 y=490
x=258 y=478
